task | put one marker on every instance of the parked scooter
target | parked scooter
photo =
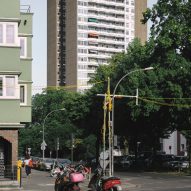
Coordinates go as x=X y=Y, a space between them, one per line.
x=55 y=169
x=99 y=182
x=69 y=178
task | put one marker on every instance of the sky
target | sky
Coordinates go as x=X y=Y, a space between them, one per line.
x=39 y=45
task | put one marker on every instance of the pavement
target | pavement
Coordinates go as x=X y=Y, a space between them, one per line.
x=41 y=181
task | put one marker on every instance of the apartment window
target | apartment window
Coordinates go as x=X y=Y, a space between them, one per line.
x=23 y=45
x=83 y=59
x=23 y=94
x=8 y=86
x=83 y=51
x=132 y=2
x=8 y=33
x=82 y=75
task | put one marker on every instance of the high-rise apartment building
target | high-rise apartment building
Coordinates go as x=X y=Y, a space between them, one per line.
x=83 y=34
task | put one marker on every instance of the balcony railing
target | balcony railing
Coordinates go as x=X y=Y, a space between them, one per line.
x=25 y=8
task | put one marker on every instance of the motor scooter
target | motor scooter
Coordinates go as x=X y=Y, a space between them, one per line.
x=55 y=169
x=98 y=182
x=68 y=179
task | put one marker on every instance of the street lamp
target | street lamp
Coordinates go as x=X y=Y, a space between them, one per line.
x=113 y=99
x=43 y=145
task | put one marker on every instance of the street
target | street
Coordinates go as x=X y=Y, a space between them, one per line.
x=41 y=181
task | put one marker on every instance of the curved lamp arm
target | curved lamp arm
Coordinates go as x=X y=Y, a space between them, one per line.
x=113 y=99
x=44 y=124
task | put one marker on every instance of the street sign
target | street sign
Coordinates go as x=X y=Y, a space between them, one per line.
x=43 y=145
x=43 y=148
x=29 y=151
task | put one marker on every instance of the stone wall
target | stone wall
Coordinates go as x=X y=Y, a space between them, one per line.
x=12 y=137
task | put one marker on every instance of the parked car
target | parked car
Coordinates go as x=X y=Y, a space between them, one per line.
x=46 y=164
x=179 y=163
x=127 y=161
x=63 y=162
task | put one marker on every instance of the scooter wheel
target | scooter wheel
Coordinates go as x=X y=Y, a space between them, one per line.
x=75 y=188
x=59 y=187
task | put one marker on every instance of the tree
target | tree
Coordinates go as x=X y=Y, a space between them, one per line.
x=153 y=117
x=57 y=125
x=171 y=27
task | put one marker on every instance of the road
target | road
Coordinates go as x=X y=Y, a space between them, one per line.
x=41 y=181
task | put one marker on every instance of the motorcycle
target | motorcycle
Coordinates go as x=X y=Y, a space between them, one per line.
x=69 y=178
x=99 y=182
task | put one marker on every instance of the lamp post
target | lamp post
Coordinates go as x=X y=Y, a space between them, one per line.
x=43 y=145
x=113 y=99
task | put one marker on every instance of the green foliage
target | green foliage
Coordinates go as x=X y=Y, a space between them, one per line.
x=58 y=124
x=170 y=79
x=171 y=27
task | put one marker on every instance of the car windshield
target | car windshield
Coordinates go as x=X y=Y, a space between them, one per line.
x=48 y=160
x=64 y=161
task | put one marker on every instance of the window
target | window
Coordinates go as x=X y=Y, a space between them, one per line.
x=8 y=33
x=23 y=52
x=8 y=86
x=23 y=94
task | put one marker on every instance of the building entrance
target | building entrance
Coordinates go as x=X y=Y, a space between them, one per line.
x=2 y=162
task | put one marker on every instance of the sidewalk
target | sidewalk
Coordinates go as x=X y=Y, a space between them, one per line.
x=41 y=181
x=9 y=185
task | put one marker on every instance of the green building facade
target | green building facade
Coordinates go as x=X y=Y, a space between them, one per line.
x=15 y=78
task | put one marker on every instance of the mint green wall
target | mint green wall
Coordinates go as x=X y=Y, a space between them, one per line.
x=25 y=25
x=10 y=111
x=10 y=58
x=10 y=9
x=25 y=30
x=25 y=68
x=29 y=47
x=29 y=92
x=25 y=113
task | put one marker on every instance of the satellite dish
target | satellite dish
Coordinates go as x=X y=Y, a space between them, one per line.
x=104 y=155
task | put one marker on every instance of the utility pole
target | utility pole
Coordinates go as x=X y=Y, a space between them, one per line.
x=110 y=122
x=72 y=147
x=57 y=147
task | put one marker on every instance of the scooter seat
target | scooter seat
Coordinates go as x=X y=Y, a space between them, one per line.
x=105 y=178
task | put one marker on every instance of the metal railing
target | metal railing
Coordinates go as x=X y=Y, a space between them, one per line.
x=8 y=172
x=25 y=8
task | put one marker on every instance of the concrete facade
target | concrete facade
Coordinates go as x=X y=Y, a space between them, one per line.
x=176 y=144
x=82 y=34
x=15 y=77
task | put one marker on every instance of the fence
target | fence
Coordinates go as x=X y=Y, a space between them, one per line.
x=8 y=172
x=9 y=177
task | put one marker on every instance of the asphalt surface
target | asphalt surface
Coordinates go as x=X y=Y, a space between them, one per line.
x=41 y=181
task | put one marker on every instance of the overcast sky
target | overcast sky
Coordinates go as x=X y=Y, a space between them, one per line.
x=39 y=50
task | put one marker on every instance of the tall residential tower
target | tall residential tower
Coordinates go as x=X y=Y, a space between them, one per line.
x=83 y=34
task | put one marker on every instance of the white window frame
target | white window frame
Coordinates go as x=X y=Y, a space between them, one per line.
x=25 y=94
x=4 y=35
x=4 y=85
x=25 y=47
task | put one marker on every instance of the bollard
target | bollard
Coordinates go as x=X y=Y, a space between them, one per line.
x=19 y=165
